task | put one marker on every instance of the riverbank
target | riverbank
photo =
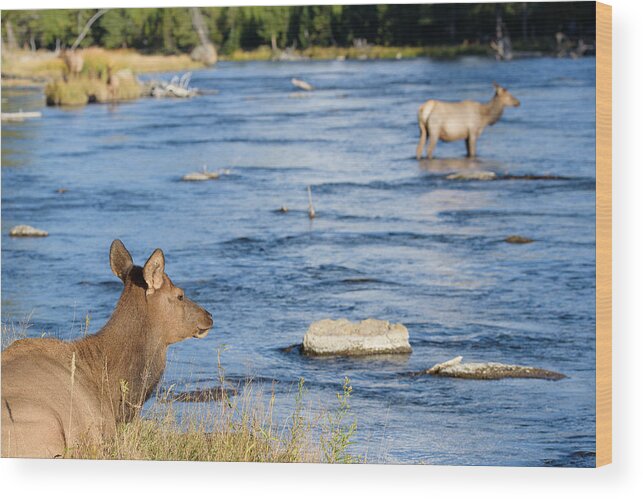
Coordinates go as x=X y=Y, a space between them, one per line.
x=110 y=75
x=365 y=52
x=233 y=428
x=236 y=424
x=29 y=68
x=25 y=67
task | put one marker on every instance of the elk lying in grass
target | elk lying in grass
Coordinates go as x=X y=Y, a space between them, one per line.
x=55 y=393
x=449 y=121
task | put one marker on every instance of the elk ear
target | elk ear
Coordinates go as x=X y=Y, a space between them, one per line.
x=153 y=271
x=498 y=88
x=119 y=259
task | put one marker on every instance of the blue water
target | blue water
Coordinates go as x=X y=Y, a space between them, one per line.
x=393 y=239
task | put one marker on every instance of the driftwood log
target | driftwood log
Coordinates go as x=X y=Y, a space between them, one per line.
x=177 y=87
x=454 y=368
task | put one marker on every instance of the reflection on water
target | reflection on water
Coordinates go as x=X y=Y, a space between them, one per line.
x=393 y=239
x=455 y=164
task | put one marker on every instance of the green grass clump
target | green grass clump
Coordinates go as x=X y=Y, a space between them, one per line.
x=73 y=92
x=262 y=53
x=83 y=90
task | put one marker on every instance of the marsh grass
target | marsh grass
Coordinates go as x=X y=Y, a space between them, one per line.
x=84 y=89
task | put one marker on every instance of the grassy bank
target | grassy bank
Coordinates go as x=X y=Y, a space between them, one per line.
x=106 y=75
x=236 y=425
x=45 y=66
x=42 y=66
x=240 y=428
x=95 y=82
x=264 y=53
x=80 y=91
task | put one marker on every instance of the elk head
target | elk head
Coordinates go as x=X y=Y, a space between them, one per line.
x=169 y=313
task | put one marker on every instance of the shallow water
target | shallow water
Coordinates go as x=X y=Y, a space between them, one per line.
x=393 y=239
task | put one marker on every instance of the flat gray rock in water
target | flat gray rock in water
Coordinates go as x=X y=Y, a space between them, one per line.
x=489 y=370
x=200 y=176
x=342 y=337
x=477 y=175
x=27 y=231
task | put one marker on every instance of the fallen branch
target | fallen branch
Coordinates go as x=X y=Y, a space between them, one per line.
x=85 y=30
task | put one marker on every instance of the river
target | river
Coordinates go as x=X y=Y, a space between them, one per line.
x=393 y=239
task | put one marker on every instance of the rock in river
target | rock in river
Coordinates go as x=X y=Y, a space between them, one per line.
x=27 y=231
x=200 y=176
x=518 y=240
x=342 y=337
x=488 y=370
x=304 y=85
x=475 y=175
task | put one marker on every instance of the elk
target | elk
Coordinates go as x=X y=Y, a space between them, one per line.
x=465 y=120
x=56 y=394
x=113 y=82
x=73 y=61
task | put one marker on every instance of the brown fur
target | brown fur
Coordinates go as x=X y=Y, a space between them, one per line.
x=74 y=61
x=46 y=409
x=449 y=121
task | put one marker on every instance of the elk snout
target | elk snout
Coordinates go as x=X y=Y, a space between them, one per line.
x=204 y=326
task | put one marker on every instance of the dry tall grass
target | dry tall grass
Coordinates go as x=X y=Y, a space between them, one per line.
x=239 y=428
x=10 y=332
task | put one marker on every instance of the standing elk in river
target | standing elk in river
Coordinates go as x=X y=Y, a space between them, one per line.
x=56 y=394
x=465 y=120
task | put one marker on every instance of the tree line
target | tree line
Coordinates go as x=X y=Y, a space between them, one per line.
x=170 y=30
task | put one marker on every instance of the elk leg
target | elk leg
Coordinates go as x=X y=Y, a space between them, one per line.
x=471 y=145
x=420 y=147
x=434 y=135
x=433 y=141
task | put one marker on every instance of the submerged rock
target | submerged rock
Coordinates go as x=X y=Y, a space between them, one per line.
x=476 y=175
x=488 y=370
x=532 y=177
x=368 y=337
x=518 y=240
x=291 y=348
x=27 y=231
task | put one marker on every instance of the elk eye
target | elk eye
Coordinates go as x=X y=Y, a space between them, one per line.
x=180 y=297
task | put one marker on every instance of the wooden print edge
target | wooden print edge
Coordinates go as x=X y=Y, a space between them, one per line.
x=603 y=234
